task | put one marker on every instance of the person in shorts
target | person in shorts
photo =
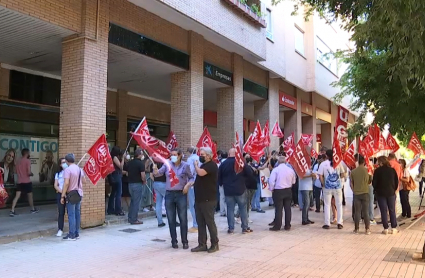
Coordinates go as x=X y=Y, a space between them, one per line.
x=24 y=186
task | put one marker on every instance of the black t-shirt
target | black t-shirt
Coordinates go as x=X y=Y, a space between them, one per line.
x=125 y=177
x=160 y=178
x=134 y=168
x=206 y=186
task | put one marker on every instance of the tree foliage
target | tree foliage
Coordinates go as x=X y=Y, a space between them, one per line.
x=386 y=74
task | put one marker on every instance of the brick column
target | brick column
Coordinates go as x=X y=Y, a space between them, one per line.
x=187 y=96
x=122 y=108
x=83 y=100
x=230 y=107
x=269 y=110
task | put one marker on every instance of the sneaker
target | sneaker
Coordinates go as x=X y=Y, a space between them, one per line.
x=69 y=237
x=161 y=225
x=230 y=232
x=12 y=214
x=340 y=226
x=35 y=210
x=368 y=231
x=146 y=210
x=247 y=231
x=326 y=227
x=261 y=211
x=385 y=232
x=394 y=231
x=223 y=215
x=356 y=231
x=193 y=230
x=77 y=236
x=372 y=222
x=59 y=234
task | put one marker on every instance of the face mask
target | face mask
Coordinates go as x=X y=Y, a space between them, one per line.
x=173 y=158
x=143 y=157
x=64 y=166
x=202 y=159
x=249 y=160
x=127 y=157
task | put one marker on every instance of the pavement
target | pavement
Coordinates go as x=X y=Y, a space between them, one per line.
x=145 y=251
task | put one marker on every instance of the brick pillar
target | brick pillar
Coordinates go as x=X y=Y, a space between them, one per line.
x=4 y=83
x=230 y=107
x=327 y=135
x=83 y=100
x=187 y=96
x=269 y=110
x=122 y=138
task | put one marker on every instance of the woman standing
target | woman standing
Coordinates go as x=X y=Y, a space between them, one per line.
x=385 y=184
x=115 y=180
x=406 y=211
x=59 y=180
x=125 y=191
x=8 y=166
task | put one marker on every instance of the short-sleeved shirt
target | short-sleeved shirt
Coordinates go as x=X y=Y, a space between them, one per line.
x=23 y=170
x=135 y=168
x=206 y=186
x=361 y=180
x=60 y=179
x=162 y=178
x=73 y=173
x=306 y=183
x=317 y=182
x=325 y=169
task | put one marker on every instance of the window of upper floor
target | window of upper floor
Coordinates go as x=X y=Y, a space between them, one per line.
x=269 y=30
x=299 y=41
x=325 y=56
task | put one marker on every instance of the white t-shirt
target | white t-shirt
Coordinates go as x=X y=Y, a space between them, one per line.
x=59 y=177
x=326 y=169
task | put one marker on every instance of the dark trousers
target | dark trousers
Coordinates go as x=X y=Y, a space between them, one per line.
x=295 y=193
x=176 y=204
x=282 y=199
x=114 y=203
x=421 y=184
x=61 y=211
x=316 y=192
x=205 y=217
x=136 y=193
x=387 y=204
x=361 y=207
x=405 y=205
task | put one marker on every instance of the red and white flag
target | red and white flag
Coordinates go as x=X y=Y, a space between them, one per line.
x=145 y=140
x=313 y=153
x=239 y=163
x=415 y=145
x=100 y=152
x=266 y=134
x=92 y=170
x=300 y=160
x=349 y=159
x=337 y=154
x=307 y=139
x=159 y=158
x=392 y=143
x=277 y=131
x=254 y=150
x=172 y=141
x=341 y=133
x=376 y=138
x=289 y=145
x=206 y=141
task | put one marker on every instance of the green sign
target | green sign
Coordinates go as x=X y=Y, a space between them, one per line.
x=255 y=89
x=218 y=74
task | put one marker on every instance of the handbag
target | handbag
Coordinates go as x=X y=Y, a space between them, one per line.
x=73 y=197
x=3 y=192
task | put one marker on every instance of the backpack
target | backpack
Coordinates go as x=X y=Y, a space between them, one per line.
x=332 y=180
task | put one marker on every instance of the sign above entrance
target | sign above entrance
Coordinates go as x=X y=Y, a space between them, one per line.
x=287 y=100
x=218 y=74
x=255 y=89
x=307 y=108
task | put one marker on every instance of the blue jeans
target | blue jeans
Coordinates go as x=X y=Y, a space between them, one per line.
x=136 y=193
x=74 y=218
x=159 y=188
x=371 y=203
x=114 y=203
x=176 y=204
x=255 y=203
x=300 y=199
x=305 y=198
x=231 y=201
x=191 y=194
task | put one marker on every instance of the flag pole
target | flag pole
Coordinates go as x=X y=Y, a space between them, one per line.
x=137 y=128
x=78 y=164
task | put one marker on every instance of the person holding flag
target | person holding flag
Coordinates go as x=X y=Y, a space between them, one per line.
x=175 y=198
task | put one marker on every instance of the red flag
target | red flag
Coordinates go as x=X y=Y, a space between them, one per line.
x=307 y=139
x=206 y=141
x=172 y=141
x=349 y=159
x=415 y=145
x=383 y=143
x=392 y=143
x=151 y=142
x=92 y=170
x=258 y=139
x=300 y=160
x=277 y=131
x=313 y=153
x=266 y=134
x=254 y=150
x=369 y=141
x=158 y=158
x=376 y=138
x=364 y=149
x=100 y=152
x=337 y=154
x=142 y=129
x=341 y=127
x=239 y=163
x=289 y=145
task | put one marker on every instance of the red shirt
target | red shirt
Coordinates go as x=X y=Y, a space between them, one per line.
x=397 y=168
x=23 y=169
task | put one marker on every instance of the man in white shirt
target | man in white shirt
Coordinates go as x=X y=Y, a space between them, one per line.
x=280 y=182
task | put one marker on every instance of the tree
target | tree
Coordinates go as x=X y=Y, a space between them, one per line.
x=386 y=73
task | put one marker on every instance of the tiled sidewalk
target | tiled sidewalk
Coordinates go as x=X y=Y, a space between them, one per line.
x=305 y=251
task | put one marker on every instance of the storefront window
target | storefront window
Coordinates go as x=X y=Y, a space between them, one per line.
x=29 y=128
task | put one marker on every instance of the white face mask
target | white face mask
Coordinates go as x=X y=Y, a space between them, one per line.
x=173 y=158
x=143 y=157
x=128 y=157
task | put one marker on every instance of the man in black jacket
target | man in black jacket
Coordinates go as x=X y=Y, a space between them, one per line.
x=235 y=191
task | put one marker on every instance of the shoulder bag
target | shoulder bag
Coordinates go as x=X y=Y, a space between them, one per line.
x=73 y=197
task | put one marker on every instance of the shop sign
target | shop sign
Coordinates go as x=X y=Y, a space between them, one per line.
x=42 y=150
x=255 y=89
x=318 y=138
x=307 y=108
x=218 y=74
x=287 y=100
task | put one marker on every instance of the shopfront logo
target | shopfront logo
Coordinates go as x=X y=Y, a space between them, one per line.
x=287 y=101
x=218 y=74
x=102 y=155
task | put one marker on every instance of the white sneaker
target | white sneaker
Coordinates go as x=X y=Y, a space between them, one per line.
x=59 y=234
x=145 y=210
x=250 y=221
x=372 y=222
x=238 y=220
x=385 y=232
x=394 y=231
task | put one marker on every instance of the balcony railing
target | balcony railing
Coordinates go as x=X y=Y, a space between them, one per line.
x=252 y=13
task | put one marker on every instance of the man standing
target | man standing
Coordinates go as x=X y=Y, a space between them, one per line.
x=205 y=200
x=359 y=181
x=72 y=183
x=394 y=164
x=306 y=192
x=235 y=191
x=191 y=194
x=23 y=169
x=136 y=181
x=280 y=182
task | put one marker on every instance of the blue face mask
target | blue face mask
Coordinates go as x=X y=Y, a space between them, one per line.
x=173 y=158
x=64 y=166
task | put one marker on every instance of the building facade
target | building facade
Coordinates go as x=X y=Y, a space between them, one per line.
x=71 y=70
